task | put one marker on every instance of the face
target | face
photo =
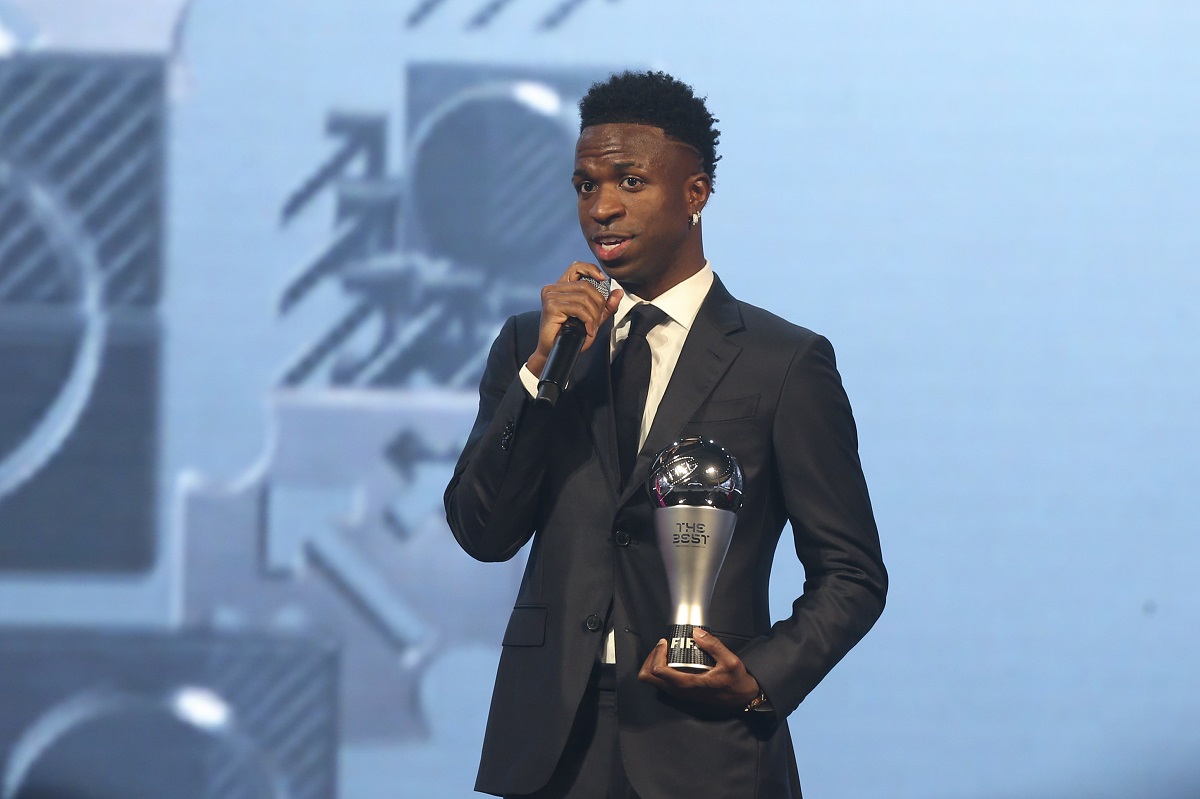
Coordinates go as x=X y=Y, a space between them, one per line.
x=637 y=190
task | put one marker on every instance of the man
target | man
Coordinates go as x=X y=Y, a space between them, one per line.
x=584 y=704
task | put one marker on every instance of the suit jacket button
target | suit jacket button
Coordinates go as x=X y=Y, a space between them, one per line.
x=622 y=538
x=594 y=622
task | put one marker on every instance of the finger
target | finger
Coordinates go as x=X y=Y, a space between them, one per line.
x=673 y=681
x=732 y=685
x=582 y=288
x=580 y=304
x=580 y=300
x=607 y=310
x=676 y=681
x=711 y=644
x=607 y=305
x=708 y=642
x=580 y=269
x=614 y=299
x=656 y=659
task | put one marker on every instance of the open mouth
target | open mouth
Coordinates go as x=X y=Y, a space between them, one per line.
x=610 y=247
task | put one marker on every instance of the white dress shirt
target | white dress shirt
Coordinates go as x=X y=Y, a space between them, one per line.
x=681 y=303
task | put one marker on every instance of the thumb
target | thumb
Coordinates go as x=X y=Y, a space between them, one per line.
x=614 y=299
x=709 y=642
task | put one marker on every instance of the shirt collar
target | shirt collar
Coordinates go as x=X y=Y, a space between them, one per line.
x=681 y=302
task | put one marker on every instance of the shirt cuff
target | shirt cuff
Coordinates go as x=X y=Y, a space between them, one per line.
x=529 y=381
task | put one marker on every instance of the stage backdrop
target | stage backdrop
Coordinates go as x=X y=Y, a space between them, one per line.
x=252 y=255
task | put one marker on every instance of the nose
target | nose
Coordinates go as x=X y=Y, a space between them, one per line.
x=607 y=205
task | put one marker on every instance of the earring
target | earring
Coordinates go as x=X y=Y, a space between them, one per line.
x=694 y=220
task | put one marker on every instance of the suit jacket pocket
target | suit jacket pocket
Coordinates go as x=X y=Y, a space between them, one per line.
x=733 y=641
x=526 y=626
x=727 y=410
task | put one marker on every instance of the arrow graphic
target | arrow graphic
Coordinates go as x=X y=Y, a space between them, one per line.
x=362 y=135
x=306 y=525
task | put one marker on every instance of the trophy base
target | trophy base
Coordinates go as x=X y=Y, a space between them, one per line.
x=682 y=652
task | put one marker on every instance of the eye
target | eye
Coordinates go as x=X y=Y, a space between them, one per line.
x=584 y=187
x=630 y=182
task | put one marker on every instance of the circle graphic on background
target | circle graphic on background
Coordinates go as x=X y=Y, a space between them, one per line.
x=51 y=295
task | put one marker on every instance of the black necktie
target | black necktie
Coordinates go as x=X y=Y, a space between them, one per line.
x=631 y=382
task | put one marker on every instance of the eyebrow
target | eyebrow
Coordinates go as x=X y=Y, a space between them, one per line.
x=616 y=165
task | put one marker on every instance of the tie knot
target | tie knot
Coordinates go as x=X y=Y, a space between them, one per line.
x=644 y=317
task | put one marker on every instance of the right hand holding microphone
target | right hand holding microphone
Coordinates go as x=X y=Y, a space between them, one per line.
x=569 y=298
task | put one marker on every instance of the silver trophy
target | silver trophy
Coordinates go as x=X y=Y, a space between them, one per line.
x=697 y=489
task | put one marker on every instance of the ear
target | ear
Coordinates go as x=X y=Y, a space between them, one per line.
x=697 y=190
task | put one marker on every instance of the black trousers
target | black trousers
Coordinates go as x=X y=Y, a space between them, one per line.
x=590 y=766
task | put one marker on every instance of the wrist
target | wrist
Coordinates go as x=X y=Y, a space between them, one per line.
x=759 y=704
x=536 y=364
x=756 y=698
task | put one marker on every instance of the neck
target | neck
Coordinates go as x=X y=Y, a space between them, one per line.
x=682 y=270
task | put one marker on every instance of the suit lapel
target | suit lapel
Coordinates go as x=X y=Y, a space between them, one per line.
x=707 y=354
x=592 y=396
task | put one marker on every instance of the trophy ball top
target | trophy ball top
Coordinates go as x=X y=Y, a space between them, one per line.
x=696 y=472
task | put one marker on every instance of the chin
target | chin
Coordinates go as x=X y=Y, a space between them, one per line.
x=613 y=269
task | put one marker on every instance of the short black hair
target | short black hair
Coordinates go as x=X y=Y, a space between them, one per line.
x=655 y=98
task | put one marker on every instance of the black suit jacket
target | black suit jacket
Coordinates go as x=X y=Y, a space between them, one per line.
x=770 y=393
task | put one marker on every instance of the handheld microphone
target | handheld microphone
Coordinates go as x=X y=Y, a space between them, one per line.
x=567 y=345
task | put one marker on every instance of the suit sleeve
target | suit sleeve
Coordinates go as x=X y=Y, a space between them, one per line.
x=816 y=456
x=493 y=499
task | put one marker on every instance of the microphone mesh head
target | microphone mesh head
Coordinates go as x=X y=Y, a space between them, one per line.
x=604 y=287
